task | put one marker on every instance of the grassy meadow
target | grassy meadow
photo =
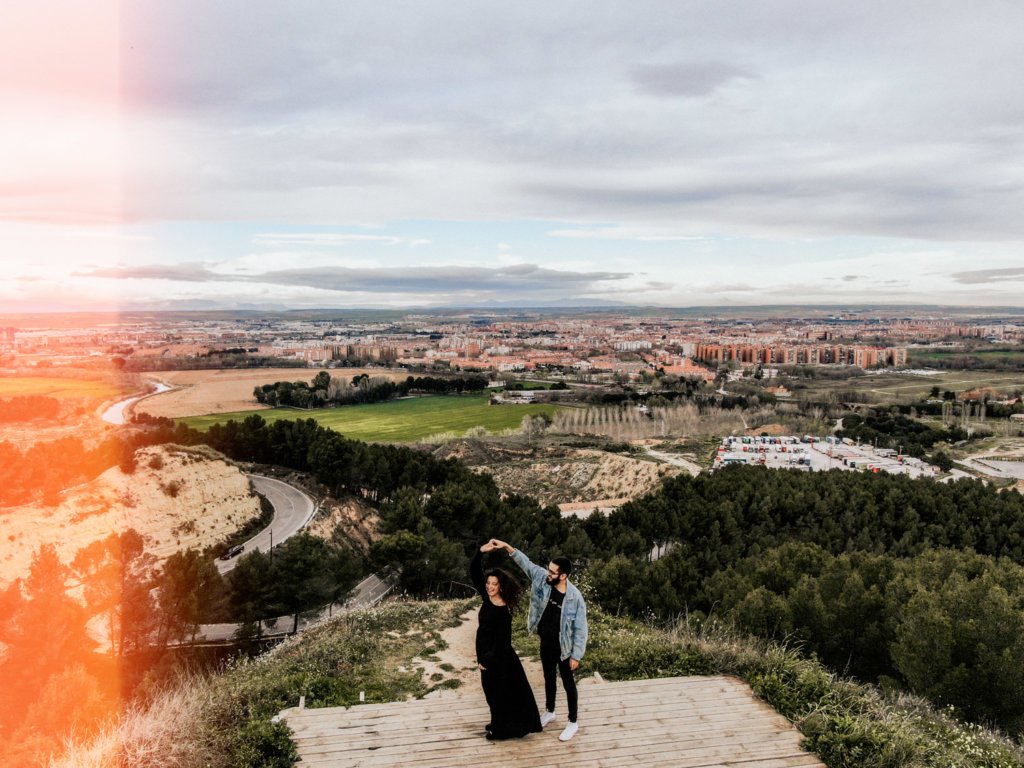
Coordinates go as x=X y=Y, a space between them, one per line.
x=399 y=421
x=60 y=388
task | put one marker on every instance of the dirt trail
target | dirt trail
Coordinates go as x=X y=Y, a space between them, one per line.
x=458 y=661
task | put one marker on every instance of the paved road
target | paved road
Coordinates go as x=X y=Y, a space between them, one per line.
x=369 y=591
x=292 y=510
x=365 y=594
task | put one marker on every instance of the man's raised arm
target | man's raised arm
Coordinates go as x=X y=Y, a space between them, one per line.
x=534 y=571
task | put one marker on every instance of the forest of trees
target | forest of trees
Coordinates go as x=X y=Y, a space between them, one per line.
x=325 y=390
x=976 y=356
x=891 y=429
x=213 y=360
x=888 y=578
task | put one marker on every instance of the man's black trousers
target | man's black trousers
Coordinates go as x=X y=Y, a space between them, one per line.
x=550 y=661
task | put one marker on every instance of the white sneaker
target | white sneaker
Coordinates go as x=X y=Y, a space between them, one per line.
x=569 y=732
x=546 y=718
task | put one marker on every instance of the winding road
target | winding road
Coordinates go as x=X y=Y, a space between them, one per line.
x=365 y=594
x=293 y=508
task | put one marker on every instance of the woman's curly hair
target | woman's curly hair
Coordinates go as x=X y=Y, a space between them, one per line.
x=508 y=587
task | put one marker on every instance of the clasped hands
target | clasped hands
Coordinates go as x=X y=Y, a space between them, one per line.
x=494 y=544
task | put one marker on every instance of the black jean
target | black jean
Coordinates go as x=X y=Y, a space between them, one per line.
x=550 y=661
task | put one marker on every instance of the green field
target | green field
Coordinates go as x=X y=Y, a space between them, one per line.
x=399 y=421
x=52 y=386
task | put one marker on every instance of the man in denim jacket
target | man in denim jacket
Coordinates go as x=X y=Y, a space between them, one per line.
x=559 y=615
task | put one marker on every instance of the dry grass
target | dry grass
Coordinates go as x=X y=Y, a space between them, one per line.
x=580 y=476
x=148 y=736
x=224 y=720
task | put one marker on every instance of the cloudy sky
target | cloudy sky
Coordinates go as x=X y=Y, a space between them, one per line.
x=336 y=154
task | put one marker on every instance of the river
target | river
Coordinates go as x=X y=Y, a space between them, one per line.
x=115 y=413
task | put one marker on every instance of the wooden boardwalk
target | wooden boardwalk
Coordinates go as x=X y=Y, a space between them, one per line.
x=685 y=722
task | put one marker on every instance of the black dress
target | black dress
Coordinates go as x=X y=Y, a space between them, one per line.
x=508 y=693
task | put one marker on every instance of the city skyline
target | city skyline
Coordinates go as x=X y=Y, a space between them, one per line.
x=193 y=157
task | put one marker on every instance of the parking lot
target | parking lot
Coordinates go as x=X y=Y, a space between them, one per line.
x=816 y=455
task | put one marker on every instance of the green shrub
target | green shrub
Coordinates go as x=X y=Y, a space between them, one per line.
x=263 y=744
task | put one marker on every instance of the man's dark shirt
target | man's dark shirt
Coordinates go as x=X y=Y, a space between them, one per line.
x=551 y=619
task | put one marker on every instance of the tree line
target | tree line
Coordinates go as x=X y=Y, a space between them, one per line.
x=891 y=429
x=29 y=408
x=326 y=391
x=971 y=357
x=948 y=624
x=212 y=360
x=44 y=469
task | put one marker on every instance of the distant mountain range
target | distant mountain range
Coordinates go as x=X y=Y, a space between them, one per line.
x=504 y=309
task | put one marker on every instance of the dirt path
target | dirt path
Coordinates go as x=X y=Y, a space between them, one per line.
x=458 y=662
x=677 y=461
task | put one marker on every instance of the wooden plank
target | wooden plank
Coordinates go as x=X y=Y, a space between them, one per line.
x=719 y=738
x=687 y=722
x=429 y=706
x=792 y=761
x=581 y=748
x=475 y=701
x=562 y=753
x=612 y=709
x=676 y=683
x=694 y=723
x=683 y=728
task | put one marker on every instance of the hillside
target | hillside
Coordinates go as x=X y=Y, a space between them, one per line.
x=176 y=498
x=399 y=651
x=558 y=474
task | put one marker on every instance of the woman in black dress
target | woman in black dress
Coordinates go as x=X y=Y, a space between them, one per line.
x=508 y=693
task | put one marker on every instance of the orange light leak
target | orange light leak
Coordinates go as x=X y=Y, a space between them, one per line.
x=66 y=604
x=61 y=144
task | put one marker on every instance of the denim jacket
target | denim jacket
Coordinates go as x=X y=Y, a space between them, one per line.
x=572 y=634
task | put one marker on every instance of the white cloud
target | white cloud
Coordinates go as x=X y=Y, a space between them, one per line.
x=677 y=141
x=323 y=239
